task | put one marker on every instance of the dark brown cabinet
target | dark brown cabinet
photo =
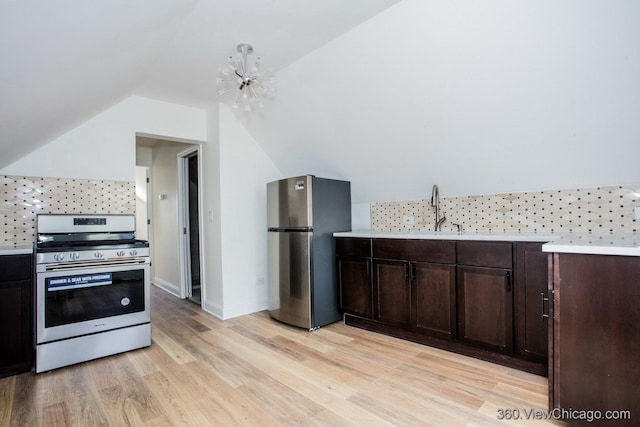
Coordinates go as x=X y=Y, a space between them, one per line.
x=433 y=298
x=485 y=297
x=16 y=312
x=485 y=307
x=596 y=339
x=415 y=284
x=417 y=295
x=391 y=292
x=458 y=295
x=531 y=301
x=485 y=294
x=354 y=276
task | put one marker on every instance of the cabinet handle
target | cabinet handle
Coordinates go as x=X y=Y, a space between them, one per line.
x=368 y=267
x=412 y=273
x=507 y=279
x=407 y=271
x=543 y=298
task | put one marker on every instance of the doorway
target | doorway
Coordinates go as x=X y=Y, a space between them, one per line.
x=174 y=200
x=188 y=170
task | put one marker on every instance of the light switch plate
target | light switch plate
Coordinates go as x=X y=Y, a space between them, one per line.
x=636 y=212
x=408 y=220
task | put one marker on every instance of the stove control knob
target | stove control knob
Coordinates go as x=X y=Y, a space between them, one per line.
x=75 y=256
x=98 y=254
x=58 y=257
x=120 y=253
x=133 y=252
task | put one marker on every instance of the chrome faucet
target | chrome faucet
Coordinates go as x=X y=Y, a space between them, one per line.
x=435 y=202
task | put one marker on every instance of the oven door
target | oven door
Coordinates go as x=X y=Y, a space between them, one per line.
x=79 y=301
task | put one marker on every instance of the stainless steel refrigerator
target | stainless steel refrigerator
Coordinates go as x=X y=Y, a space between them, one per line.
x=302 y=215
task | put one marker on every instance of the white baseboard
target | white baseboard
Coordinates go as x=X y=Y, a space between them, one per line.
x=214 y=309
x=210 y=307
x=169 y=287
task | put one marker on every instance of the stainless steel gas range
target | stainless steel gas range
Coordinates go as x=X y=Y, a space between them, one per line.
x=92 y=289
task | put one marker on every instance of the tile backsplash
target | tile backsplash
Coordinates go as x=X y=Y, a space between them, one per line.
x=601 y=209
x=25 y=197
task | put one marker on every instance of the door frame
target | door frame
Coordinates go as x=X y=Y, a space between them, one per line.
x=149 y=219
x=183 y=221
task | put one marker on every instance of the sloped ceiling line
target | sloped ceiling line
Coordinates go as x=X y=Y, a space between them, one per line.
x=63 y=62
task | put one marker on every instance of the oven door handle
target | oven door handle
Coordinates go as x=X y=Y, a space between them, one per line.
x=95 y=264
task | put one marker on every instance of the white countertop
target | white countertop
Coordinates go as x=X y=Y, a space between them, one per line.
x=627 y=244
x=452 y=235
x=10 y=249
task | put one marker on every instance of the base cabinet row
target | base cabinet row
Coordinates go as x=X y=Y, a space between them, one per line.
x=464 y=293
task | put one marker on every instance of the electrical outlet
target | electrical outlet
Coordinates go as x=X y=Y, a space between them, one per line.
x=636 y=212
x=408 y=220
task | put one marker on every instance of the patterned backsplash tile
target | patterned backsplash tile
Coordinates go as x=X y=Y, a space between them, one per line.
x=601 y=209
x=25 y=197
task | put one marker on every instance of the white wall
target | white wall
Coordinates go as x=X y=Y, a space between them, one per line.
x=211 y=248
x=104 y=147
x=144 y=156
x=360 y=216
x=164 y=178
x=141 y=203
x=477 y=97
x=244 y=172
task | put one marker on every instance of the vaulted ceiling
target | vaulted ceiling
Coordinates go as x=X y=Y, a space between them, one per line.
x=395 y=96
x=65 y=61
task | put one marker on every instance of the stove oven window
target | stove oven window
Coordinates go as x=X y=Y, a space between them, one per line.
x=81 y=297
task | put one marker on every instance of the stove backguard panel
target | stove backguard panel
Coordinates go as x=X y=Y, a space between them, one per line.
x=25 y=197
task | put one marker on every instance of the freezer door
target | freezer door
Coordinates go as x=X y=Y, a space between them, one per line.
x=289 y=202
x=290 y=284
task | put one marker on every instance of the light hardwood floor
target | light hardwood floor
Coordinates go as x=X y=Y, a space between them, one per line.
x=254 y=371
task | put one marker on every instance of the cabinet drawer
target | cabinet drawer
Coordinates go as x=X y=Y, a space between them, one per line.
x=353 y=247
x=438 y=251
x=15 y=267
x=485 y=254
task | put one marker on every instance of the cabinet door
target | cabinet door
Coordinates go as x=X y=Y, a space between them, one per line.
x=532 y=306
x=392 y=294
x=354 y=276
x=433 y=299
x=485 y=307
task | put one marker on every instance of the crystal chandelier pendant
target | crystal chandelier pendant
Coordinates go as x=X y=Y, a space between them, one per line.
x=249 y=85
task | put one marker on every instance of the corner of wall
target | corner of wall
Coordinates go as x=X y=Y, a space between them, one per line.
x=167 y=286
x=214 y=309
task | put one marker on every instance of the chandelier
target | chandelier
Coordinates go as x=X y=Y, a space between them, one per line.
x=251 y=85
